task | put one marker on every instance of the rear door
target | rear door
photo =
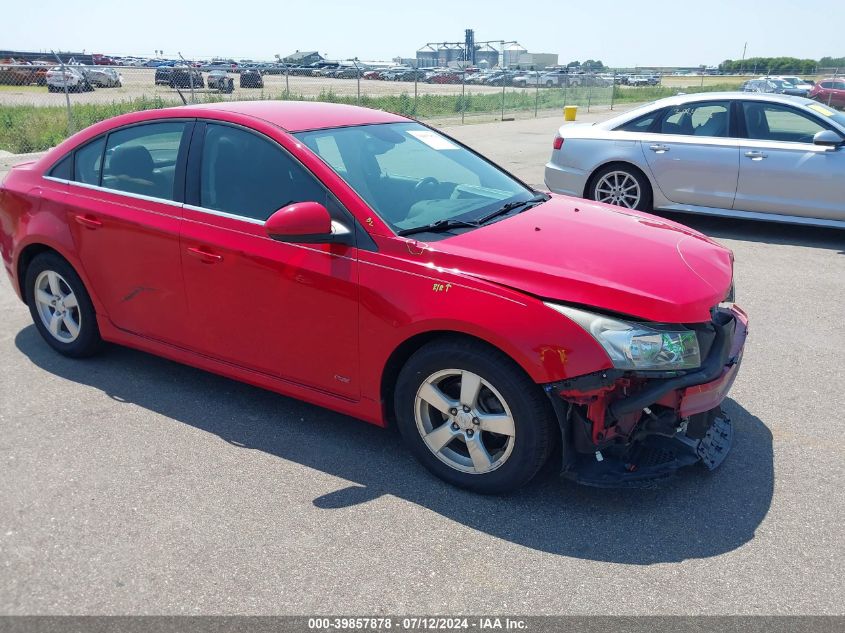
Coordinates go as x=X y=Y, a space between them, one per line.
x=124 y=209
x=781 y=170
x=693 y=155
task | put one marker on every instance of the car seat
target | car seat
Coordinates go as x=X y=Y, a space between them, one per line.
x=132 y=169
x=715 y=125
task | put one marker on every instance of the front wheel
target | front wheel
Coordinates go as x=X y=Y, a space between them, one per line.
x=473 y=417
x=622 y=186
x=60 y=306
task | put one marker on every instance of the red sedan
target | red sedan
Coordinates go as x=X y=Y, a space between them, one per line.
x=369 y=264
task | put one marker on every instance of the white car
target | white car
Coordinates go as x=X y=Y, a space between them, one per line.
x=102 y=76
x=71 y=78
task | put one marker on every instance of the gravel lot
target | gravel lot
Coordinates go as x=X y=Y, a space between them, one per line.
x=135 y=485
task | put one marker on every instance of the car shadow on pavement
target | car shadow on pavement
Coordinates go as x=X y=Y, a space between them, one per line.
x=696 y=514
x=765 y=232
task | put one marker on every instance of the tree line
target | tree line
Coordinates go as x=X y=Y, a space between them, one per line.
x=781 y=64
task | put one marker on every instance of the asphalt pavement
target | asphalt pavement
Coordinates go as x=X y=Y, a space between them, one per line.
x=134 y=485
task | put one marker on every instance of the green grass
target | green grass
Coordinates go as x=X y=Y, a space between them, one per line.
x=27 y=128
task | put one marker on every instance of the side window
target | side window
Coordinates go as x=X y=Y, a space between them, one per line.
x=142 y=159
x=641 y=124
x=86 y=165
x=62 y=169
x=701 y=119
x=248 y=175
x=772 y=122
x=826 y=84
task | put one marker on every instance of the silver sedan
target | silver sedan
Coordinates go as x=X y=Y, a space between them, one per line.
x=771 y=157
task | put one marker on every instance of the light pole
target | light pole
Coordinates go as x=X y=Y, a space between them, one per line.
x=742 y=63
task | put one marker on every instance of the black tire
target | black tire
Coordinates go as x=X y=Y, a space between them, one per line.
x=88 y=341
x=533 y=418
x=646 y=195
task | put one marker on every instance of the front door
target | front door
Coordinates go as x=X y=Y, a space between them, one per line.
x=782 y=171
x=288 y=310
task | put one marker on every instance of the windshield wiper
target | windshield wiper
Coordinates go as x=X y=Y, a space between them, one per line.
x=439 y=225
x=510 y=206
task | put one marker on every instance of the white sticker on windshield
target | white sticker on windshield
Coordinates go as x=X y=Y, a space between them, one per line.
x=432 y=139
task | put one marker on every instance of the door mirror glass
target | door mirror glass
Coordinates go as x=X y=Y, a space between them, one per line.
x=306 y=223
x=828 y=138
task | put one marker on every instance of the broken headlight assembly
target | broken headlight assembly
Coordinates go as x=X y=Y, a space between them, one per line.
x=636 y=346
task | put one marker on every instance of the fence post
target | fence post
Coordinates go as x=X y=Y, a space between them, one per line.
x=613 y=90
x=589 y=93
x=830 y=94
x=416 y=79
x=190 y=77
x=67 y=95
x=287 y=80
x=504 y=82
x=358 y=77
x=536 y=93
x=463 y=93
x=565 y=88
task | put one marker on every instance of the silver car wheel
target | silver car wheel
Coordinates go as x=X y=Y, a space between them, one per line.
x=464 y=421
x=57 y=306
x=619 y=188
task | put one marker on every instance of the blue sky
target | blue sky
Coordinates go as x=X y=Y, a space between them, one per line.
x=620 y=33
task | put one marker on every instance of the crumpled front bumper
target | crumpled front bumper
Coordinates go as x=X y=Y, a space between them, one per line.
x=690 y=428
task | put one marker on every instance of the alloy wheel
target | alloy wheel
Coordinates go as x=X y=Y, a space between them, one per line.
x=464 y=421
x=57 y=306
x=619 y=188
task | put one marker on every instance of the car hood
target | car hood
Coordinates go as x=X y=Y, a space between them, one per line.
x=576 y=251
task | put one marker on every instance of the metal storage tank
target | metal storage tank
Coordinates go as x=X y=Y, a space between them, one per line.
x=511 y=54
x=486 y=54
x=427 y=57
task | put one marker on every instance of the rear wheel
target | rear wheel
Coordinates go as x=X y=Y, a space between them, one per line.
x=473 y=417
x=623 y=186
x=60 y=306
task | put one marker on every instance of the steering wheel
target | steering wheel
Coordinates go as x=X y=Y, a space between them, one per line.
x=428 y=181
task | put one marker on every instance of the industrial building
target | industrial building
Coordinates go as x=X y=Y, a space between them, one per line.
x=486 y=54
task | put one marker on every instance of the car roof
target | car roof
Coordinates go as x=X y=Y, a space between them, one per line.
x=298 y=116
x=683 y=99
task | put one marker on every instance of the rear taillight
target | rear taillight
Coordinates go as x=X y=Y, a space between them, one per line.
x=558 y=143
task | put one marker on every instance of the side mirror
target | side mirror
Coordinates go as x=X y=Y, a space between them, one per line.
x=306 y=223
x=828 y=138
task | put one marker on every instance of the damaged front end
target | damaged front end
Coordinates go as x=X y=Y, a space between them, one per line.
x=627 y=425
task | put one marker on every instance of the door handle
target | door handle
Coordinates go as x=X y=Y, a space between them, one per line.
x=208 y=258
x=87 y=221
x=756 y=155
x=659 y=149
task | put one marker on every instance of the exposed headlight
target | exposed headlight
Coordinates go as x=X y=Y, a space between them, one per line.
x=637 y=346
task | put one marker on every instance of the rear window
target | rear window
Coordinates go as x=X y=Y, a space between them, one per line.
x=88 y=161
x=640 y=124
x=62 y=169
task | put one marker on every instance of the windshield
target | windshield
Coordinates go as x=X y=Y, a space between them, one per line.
x=411 y=176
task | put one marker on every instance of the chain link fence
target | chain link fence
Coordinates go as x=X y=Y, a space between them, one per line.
x=43 y=101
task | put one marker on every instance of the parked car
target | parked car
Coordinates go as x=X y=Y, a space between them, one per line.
x=770 y=85
x=181 y=77
x=251 y=78
x=70 y=78
x=527 y=78
x=23 y=73
x=220 y=80
x=430 y=290
x=746 y=155
x=797 y=83
x=102 y=76
x=830 y=91
x=445 y=77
